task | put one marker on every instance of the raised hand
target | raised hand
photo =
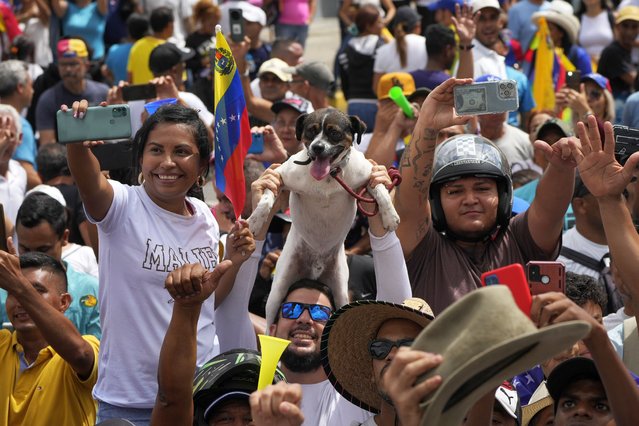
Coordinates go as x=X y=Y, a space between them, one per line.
x=400 y=382
x=79 y=109
x=270 y=179
x=598 y=168
x=465 y=23
x=438 y=110
x=191 y=284
x=277 y=405
x=240 y=243
x=560 y=154
x=274 y=151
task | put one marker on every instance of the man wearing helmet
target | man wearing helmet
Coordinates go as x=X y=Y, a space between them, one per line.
x=464 y=186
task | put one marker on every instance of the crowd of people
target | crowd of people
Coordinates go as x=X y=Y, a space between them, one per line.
x=131 y=294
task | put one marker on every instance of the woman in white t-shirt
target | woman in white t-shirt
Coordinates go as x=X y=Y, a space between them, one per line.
x=407 y=51
x=597 y=27
x=145 y=232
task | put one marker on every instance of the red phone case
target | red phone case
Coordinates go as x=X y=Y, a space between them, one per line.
x=546 y=276
x=513 y=277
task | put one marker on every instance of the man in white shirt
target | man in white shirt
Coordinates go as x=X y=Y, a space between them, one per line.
x=487 y=61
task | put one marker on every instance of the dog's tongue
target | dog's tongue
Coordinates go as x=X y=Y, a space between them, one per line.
x=320 y=168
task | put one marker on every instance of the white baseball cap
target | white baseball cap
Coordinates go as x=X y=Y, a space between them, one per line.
x=483 y=4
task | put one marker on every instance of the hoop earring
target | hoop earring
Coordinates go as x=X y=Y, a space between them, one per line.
x=140 y=178
x=200 y=181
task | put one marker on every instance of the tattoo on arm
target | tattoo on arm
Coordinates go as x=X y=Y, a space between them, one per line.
x=422 y=228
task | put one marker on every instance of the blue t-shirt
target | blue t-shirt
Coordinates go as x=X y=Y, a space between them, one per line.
x=28 y=149
x=117 y=60
x=83 y=311
x=88 y=23
x=524 y=91
x=527 y=193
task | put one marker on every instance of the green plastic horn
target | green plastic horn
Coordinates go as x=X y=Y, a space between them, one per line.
x=396 y=94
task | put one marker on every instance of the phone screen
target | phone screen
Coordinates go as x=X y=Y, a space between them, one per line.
x=139 y=92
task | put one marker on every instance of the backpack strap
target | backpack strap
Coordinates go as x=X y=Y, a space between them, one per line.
x=587 y=261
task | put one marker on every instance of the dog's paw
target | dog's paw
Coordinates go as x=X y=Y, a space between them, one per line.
x=390 y=219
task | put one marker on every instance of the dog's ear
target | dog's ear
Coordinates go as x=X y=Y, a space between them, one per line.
x=299 y=126
x=358 y=127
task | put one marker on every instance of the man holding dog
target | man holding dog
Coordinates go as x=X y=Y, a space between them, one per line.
x=308 y=304
x=466 y=184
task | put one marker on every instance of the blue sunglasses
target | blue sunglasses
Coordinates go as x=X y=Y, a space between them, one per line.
x=293 y=310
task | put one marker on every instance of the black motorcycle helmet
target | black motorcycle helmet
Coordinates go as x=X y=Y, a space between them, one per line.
x=470 y=155
x=232 y=374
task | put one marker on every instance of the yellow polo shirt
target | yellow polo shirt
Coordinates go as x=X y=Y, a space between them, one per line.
x=138 y=64
x=48 y=392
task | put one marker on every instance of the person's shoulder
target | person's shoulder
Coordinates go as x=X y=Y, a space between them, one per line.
x=81 y=281
x=17 y=169
x=518 y=133
x=5 y=338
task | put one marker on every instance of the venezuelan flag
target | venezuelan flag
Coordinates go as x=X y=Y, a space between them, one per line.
x=544 y=61
x=232 y=129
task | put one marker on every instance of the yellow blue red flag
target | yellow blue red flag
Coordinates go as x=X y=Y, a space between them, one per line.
x=232 y=129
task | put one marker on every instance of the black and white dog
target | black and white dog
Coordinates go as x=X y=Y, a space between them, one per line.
x=322 y=212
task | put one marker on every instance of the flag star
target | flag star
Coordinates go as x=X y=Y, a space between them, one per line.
x=223 y=121
x=232 y=117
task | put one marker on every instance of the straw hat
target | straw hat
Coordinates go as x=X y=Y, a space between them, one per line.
x=345 y=340
x=539 y=400
x=484 y=338
x=562 y=14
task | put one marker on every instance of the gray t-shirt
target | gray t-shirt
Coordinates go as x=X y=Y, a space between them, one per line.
x=50 y=101
x=441 y=271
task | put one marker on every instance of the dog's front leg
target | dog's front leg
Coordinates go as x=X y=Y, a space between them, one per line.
x=390 y=218
x=260 y=215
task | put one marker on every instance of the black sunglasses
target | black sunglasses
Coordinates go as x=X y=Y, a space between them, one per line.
x=293 y=310
x=380 y=348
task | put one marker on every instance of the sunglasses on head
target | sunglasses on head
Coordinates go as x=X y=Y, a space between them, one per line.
x=380 y=348
x=293 y=310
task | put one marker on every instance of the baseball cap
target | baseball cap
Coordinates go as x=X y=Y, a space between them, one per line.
x=166 y=56
x=408 y=16
x=295 y=102
x=445 y=4
x=580 y=190
x=403 y=80
x=568 y=372
x=252 y=13
x=509 y=401
x=419 y=92
x=478 y=5
x=72 y=48
x=599 y=79
x=225 y=397
x=316 y=73
x=51 y=191
x=278 y=67
x=627 y=13
x=553 y=123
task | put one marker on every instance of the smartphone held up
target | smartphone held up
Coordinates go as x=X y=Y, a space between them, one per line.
x=100 y=123
x=489 y=97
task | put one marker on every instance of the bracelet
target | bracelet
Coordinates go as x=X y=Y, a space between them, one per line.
x=466 y=46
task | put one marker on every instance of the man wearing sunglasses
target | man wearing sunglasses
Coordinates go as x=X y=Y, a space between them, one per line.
x=373 y=332
x=303 y=314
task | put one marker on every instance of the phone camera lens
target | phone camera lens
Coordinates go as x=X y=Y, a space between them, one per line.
x=545 y=279
x=534 y=273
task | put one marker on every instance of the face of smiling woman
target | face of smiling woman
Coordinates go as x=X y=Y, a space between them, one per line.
x=171 y=164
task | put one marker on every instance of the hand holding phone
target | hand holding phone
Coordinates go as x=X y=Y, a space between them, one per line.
x=513 y=277
x=544 y=277
x=139 y=92
x=237 y=25
x=490 y=97
x=573 y=80
x=257 y=144
x=100 y=123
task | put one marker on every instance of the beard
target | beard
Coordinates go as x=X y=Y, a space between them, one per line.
x=301 y=363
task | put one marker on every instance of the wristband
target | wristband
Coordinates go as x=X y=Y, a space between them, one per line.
x=466 y=46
